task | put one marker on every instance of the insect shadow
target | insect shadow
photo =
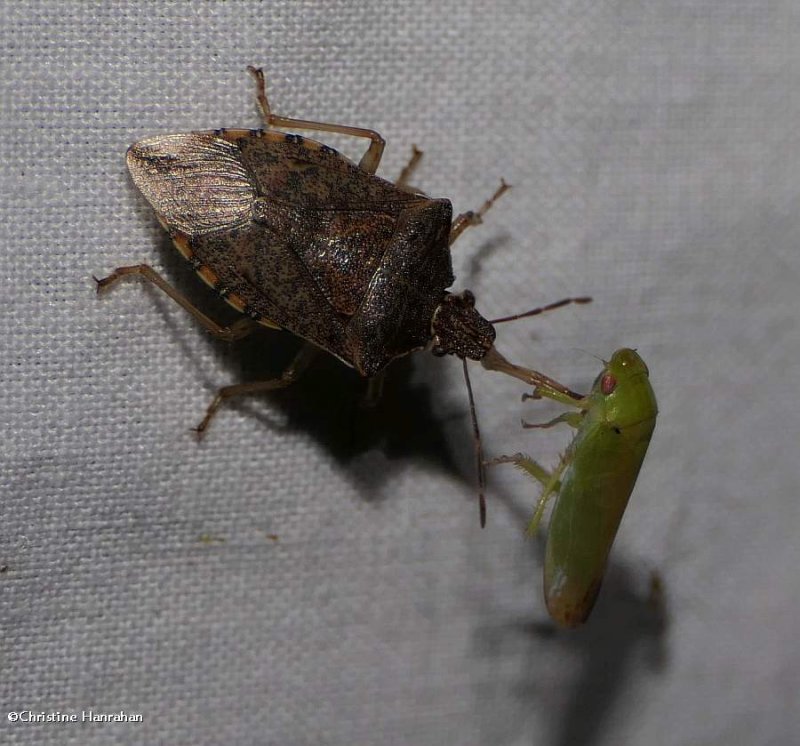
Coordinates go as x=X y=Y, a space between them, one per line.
x=626 y=641
x=406 y=423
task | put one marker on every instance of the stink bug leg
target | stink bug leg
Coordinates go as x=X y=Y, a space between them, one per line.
x=306 y=354
x=238 y=330
x=475 y=217
x=369 y=161
x=409 y=168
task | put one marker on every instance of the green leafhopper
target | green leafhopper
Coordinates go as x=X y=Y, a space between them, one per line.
x=592 y=482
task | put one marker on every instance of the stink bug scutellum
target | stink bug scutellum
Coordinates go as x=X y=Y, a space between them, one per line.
x=593 y=481
x=295 y=236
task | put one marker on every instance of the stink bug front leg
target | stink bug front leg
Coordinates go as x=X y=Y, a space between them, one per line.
x=405 y=174
x=369 y=161
x=475 y=217
x=237 y=330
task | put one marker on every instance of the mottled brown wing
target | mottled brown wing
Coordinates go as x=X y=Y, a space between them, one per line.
x=196 y=182
x=205 y=197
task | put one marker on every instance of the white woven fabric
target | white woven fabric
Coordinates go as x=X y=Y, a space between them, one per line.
x=282 y=583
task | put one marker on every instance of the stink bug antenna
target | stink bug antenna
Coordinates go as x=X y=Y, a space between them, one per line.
x=542 y=309
x=478 y=448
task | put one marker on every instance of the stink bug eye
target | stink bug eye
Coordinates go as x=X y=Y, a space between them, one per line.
x=592 y=482
x=295 y=236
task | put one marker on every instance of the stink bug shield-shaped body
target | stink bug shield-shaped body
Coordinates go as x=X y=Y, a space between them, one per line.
x=295 y=236
x=593 y=482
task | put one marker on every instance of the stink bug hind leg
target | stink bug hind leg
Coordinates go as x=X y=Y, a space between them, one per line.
x=369 y=161
x=287 y=378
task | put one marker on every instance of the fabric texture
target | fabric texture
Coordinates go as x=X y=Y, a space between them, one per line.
x=312 y=572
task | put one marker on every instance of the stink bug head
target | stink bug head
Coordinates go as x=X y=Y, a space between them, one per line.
x=458 y=329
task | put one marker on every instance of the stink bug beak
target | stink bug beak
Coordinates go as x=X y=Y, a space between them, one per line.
x=493 y=360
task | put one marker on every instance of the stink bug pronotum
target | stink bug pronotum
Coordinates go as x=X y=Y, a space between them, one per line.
x=593 y=481
x=295 y=236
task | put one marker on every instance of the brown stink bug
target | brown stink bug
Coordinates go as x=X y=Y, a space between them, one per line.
x=295 y=236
